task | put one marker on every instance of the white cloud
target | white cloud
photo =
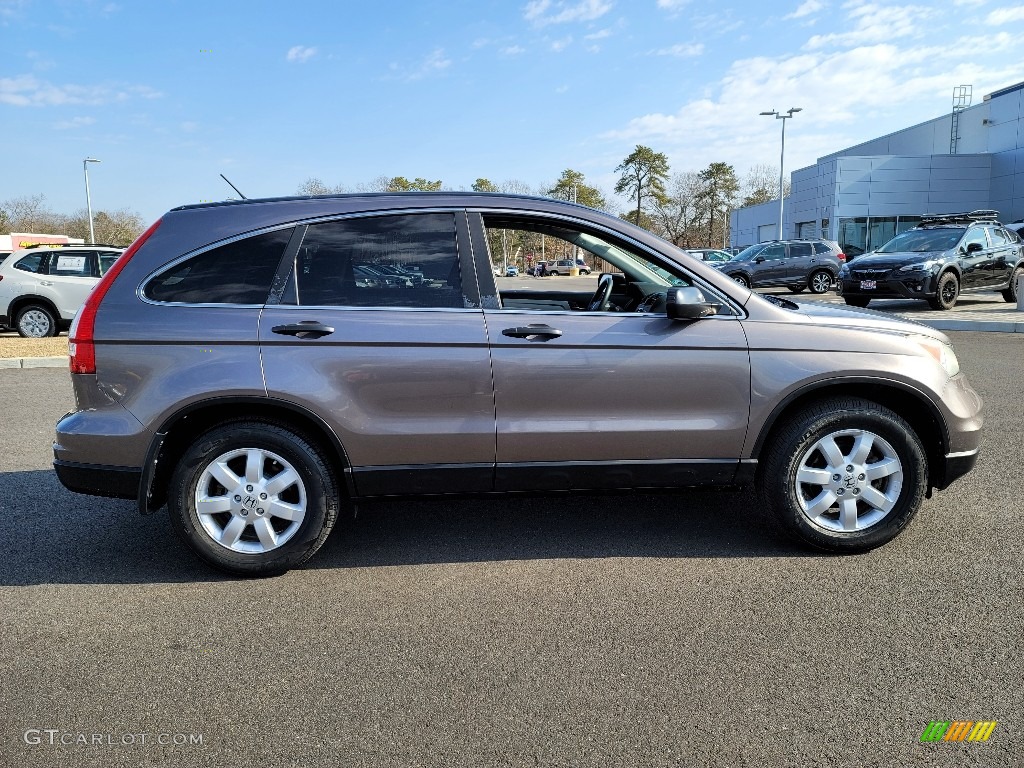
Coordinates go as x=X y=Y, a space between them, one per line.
x=561 y=44
x=435 y=62
x=672 y=5
x=300 y=53
x=806 y=9
x=75 y=122
x=599 y=35
x=29 y=91
x=512 y=50
x=1005 y=15
x=873 y=23
x=544 y=12
x=681 y=50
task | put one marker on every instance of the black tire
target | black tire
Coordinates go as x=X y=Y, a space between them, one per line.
x=741 y=279
x=796 y=288
x=315 y=486
x=946 y=292
x=820 y=281
x=807 y=512
x=1010 y=294
x=856 y=301
x=36 y=321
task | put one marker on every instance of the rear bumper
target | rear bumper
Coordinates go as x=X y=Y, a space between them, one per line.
x=99 y=480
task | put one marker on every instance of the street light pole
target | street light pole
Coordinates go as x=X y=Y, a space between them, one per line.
x=782 y=155
x=88 y=197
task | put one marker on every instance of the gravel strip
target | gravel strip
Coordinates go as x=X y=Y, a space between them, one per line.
x=12 y=345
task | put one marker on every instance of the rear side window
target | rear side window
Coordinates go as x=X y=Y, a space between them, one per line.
x=381 y=261
x=29 y=263
x=237 y=273
x=799 y=250
x=107 y=260
x=822 y=248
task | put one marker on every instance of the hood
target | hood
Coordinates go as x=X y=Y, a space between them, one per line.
x=823 y=313
x=881 y=260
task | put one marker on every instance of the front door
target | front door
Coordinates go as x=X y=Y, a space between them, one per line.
x=613 y=398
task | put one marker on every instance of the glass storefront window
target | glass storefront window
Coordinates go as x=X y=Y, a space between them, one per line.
x=853 y=236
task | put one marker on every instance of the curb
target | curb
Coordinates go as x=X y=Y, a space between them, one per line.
x=34 y=362
x=992 y=326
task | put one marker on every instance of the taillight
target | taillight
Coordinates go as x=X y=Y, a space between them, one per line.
x=82 y=347
x=841 y=256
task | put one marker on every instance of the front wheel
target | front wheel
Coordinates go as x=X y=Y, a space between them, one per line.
x=742 y=280
x=844 y=475
x=946 y=292
x=1010 y=294
x=253 y=499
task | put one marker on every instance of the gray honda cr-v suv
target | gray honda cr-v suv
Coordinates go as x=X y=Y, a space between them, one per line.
x=232 y=367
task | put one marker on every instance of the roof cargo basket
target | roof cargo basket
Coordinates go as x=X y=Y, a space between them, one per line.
x=971 y=217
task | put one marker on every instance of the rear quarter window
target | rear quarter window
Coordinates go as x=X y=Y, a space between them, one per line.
x=240 y=272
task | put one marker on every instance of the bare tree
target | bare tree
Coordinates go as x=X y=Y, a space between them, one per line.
x=678 y=214
x=761 y=185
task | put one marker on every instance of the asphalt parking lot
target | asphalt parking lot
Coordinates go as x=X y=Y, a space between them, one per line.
x=633 y=630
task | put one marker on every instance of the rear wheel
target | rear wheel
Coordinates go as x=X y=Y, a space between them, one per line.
x=742 y=280
x=856 y=301
x=946 y=292
x=253 y=499
x=1010 y=294
x=36 y=322
x=820 y=281
x=845 y=475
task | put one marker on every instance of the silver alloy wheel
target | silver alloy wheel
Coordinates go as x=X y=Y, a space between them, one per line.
x=35 y=324
x=848 y=481
x=250 y=500
x=741 y=280
x=821 y=282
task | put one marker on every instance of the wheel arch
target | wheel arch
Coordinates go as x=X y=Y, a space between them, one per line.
x=911 y=404
x=20 y=302
x=181 y=428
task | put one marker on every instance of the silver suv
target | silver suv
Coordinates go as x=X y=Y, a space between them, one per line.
x=42 y=288
x=231 y=367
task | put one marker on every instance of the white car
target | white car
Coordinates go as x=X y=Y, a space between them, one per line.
x=42 y=288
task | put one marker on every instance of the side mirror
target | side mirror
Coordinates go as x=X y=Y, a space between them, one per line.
x=973 y=247
x=688 y=304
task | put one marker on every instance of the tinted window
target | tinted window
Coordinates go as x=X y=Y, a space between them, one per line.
x=923 y=241
x=72 y=264
x=820 y=247
x=367 y=262
x=106 y=260
x=237 y=273
x=800 y=250
x=773 y=252
x=29 y=263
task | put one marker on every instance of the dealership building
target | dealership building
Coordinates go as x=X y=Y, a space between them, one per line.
x=972 y=158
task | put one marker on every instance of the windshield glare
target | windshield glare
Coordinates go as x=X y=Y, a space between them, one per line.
x=748 y=253
x=922 y=241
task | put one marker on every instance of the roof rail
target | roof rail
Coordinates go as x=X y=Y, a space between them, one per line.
x=69 y=245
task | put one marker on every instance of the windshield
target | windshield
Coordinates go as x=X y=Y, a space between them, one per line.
x=748 y=253
x=922 y=241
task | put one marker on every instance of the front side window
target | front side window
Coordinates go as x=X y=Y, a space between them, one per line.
x=975 y=235
x=773 y=252
x=998 y=236
x=240 y=272
x=408 y=261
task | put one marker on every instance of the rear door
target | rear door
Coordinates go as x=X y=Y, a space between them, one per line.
x=1001 y=259
x=399 y=371
x=70 y=276
x=801 y=262
x=974 y=265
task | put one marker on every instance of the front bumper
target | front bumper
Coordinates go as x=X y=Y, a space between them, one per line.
x=908 y=285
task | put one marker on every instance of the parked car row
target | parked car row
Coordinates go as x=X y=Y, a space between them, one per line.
x=938 y=260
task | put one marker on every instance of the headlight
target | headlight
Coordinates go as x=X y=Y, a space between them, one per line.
x=941 y=352
x=844 y=271
x=923 y=266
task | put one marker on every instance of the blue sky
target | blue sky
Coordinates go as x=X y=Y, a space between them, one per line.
x=170 y=93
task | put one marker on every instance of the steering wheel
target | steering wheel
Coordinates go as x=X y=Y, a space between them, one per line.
x=599 y=303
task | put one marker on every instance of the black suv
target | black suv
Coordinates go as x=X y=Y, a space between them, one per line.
x=938 y=260
x=794 y=264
